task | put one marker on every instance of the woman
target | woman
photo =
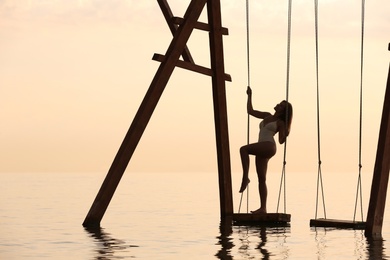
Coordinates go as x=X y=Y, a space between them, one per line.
x=265 y=148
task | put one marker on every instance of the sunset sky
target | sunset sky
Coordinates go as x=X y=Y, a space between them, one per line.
x=74 y=72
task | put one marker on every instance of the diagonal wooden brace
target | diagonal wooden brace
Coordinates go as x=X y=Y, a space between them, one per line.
x=166 y=10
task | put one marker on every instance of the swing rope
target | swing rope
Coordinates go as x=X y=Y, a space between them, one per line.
x=283 y=177
x=319 y=174
x=248 y=83
x=359 y=184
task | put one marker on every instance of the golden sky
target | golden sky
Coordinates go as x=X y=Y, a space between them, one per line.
x=73 y=73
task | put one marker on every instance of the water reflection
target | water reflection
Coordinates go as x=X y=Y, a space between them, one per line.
x=375 y=249
x=320 y=238
x=225 y=240
x=253 y=242
x=364 y=248
x=261 y=246
x=360 y=243
x=109 y=247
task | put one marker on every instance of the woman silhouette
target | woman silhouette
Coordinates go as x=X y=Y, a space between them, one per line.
x=265 y=148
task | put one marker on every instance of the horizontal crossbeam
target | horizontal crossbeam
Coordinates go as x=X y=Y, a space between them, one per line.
x=199 y=25
x=190 y=66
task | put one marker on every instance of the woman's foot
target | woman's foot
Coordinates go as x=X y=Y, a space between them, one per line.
x=259 y=211
x=244 y=184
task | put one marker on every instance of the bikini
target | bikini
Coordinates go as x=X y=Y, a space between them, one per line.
x=267 y=131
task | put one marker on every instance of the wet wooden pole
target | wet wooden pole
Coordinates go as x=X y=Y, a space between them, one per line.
x=220 y=111
x=380 y=179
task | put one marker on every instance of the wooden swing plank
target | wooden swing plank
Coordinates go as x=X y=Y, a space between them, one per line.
x=336 y=223
x=268 y=219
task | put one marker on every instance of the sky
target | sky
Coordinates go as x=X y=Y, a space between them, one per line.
x=74 y=72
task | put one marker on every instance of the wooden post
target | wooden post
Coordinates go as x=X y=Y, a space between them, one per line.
x=381 y=173
x=220 y=111
x=144 y=114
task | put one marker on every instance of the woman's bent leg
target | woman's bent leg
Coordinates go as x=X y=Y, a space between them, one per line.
x=263 y=150
x=244 y=153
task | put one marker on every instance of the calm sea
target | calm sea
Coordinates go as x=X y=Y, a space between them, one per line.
x=174 y=216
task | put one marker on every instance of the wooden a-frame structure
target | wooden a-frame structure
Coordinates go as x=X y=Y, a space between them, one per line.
x=181 y=30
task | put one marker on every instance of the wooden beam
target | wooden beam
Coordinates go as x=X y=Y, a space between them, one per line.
x=381 y=172
x=220 y=110
x=199 y=25
x=336 y=223
x=190 y=66
x=166 y=10
x=143 y=115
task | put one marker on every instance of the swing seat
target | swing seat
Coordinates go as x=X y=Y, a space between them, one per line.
x=335 y=223
x=268 y=219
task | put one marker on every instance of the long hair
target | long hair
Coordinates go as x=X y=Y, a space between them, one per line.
x=287 y=116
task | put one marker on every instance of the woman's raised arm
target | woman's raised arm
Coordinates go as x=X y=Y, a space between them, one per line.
x=251 y=111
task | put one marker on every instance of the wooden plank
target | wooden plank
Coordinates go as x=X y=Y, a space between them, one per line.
x=220 y=108
x=336 y=223
x=380 y=179
x=191 y=67
x=168 y=15
x=143 y=115
x=268 y=219
x=199 y=25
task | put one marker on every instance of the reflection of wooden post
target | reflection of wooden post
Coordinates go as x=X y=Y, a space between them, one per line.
x=176 y=49
x=381 y=172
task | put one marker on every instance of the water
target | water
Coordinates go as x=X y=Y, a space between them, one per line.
x=170 y=216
